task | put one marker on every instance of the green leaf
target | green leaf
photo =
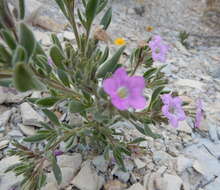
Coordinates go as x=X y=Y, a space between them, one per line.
x=150 y=133
x=149 y=73
x=5 y=54
x=91 y=9
x=21 y=9
x=39 y=50
x=42 y=61
x=106 y=19
x=63 y=77
x=102 y=5
x=9 y=39
x=118 y=158
x=6 y=82
x=110 y=65
x=41 y=180
x=57 y=56
x=12 y=167
x=156 y=94
x=53 y=118
x=56 y=171
x=24 y=79
x=27 y=39
x=56 y=41
x=36 y=138
x=47 y=102
x=76 y=106
x=62 y=7
x=137 y=140
x=19 y=55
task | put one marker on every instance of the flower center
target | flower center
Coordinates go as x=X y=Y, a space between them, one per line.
x=122 y=92
x=172 y=110
x=157 y=50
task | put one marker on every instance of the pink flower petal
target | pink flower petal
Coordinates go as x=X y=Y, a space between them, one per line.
x=138 y=102
x=121 y=104
x=110 y=86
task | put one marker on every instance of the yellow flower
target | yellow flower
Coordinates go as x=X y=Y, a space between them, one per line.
x=120 y=41
x=149 y=28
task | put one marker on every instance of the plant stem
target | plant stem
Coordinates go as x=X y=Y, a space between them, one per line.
x=71 y=10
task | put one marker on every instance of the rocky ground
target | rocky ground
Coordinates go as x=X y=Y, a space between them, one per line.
x=184 y=159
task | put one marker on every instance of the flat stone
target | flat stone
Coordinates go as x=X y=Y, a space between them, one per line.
x=27 y=130
x=197 y=166
x=30 y=116
x=8 y=180
x=50 y=186
x=5 y=117
x=183 y=163
x=87 y=178
x=184 y=127
x=171 y=182
x=136 y=186
x=4 y=144
x=139 y=164
x=43 y=38
x=69 y=35
x=69 y=166
x=213 y=133
x=100 y=163
x=190 y=83
x=114 y=185
x=122 y=176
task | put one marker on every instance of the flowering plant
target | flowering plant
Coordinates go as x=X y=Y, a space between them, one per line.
x=96 y=87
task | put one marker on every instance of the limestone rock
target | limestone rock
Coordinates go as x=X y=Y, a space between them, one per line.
x=3 y=144
x=100 y=163
x=5 y=117
x=184 y=127
x=87 y=178
x=29 y=115
x=136 y=186
x=27 y=130
x=139 y=164
x=183 y=163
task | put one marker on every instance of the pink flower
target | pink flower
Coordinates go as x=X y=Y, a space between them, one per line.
x=159 y=49
x=199 y=113
x=125 y=91
x=50 y=62
x=58 y=153
x=172 y=109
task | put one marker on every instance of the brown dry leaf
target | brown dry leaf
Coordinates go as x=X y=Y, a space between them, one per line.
x=114 y=185
x=101 y=35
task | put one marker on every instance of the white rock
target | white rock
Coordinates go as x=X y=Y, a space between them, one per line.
x=87 y=178
x=3 y=144
x=69 y=35
x=172 y=182
x=140 y=164
x=27 y=130
x=43 y=38
x=184 y=127
x=100 y=163
x=73 y=161
x=50 y=186
x=122 y=176
x=8 y=180
x=197 y=166
x=190 y=83
x=136 y=186
x=183 y=163
x=4 y=118
x=69 y=165
x=213 y=133
x=29 y=115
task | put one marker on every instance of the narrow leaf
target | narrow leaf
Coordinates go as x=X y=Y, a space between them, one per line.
x=63 y=77
x=53 y=118
x=110 y=65
x=106 y=19
x=21 y=9
x=36 y=138
x=27 y=39
x=19 y=55
x=56 y=171
x=91 y=9
x=24 y=79
x=57 y=56
x=9 y=39
x=47 y=102
x=76 y=106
